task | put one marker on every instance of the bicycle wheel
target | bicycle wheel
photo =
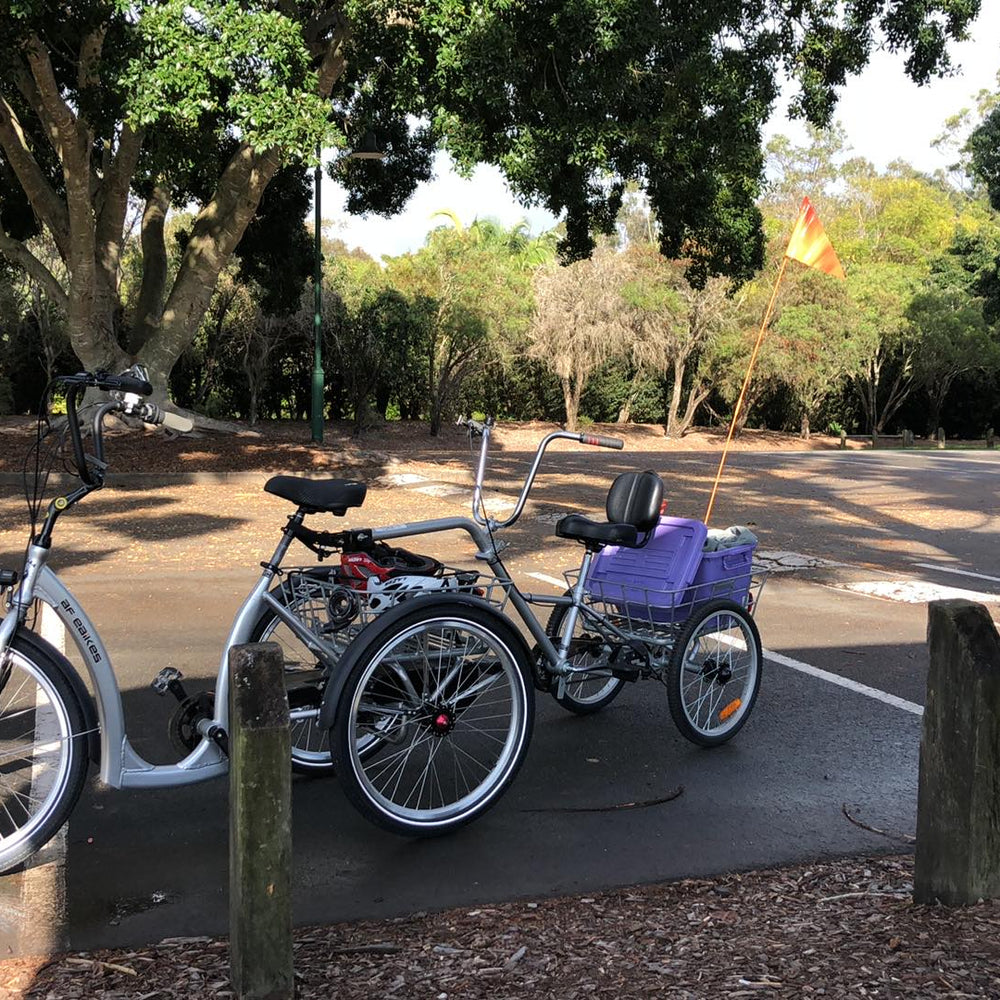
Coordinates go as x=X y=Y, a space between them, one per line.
x=332 y=612
x=584 y=693
x=714 y=673
x=43 y=752
x=443 y=694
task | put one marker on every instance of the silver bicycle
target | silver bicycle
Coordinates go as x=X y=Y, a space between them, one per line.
x=52 y=727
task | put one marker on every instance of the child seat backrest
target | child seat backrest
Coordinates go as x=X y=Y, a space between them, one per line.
x=635 y=498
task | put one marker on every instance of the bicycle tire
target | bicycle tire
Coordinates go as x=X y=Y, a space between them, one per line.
x=424 y=679
x=585 y=695
x=307 y=595
x=43 y=750
x=714 y=673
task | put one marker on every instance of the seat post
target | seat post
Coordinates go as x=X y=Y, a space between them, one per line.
x=574 y=612
x=287 y=537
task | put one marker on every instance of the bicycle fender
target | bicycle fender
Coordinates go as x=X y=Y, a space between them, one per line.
x=335 y=685
x=80 y=689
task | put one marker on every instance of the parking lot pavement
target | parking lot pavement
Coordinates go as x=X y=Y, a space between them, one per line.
x=163 y=570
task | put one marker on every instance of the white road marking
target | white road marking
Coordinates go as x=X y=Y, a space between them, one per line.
x=916 y=591
x=545 y=578
x=958 y=572
x=829 y=677
x=844 y=682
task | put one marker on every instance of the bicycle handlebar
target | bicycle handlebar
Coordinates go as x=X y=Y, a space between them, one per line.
x=483 y=429
x=600 y=441
x=476 y=426
x=90 y=467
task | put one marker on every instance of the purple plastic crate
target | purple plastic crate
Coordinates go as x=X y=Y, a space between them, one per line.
x=662 y=581
x=648 y=583
x=723 y=573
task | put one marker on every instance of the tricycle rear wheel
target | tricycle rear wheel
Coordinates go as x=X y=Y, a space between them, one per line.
x=714 y=672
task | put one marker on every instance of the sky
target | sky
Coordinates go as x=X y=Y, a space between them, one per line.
x=886 y=117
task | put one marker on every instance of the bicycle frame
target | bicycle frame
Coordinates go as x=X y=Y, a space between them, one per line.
x=121 y=766
x=481 y=529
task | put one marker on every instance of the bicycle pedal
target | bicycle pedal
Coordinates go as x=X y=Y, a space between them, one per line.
x=168 y=681
x=626 y=673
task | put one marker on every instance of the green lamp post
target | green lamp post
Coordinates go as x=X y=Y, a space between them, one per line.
x=369 y=150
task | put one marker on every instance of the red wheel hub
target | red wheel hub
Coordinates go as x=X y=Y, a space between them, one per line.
x=441 y=721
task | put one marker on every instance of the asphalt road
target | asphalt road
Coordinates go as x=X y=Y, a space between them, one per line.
x=151 y=567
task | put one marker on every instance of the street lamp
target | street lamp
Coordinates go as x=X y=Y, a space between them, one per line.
x=368 y=150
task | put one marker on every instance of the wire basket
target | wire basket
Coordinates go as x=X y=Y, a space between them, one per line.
x=657 y=613
x=335 y=610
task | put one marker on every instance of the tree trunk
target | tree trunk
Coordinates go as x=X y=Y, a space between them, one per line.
x=571 y=402
x=676 y=391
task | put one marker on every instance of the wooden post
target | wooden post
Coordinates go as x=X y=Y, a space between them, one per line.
x=260 y=825
x=990 y=438
x=843 y=439
x=940 y=437
x=958 y=837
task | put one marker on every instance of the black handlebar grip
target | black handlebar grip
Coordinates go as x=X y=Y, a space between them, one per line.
x=599 y=441
x=126 y=383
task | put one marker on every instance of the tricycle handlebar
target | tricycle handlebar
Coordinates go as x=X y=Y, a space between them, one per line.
x=485 y=428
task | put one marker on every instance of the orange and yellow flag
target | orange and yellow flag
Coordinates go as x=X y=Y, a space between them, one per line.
x=810 y=245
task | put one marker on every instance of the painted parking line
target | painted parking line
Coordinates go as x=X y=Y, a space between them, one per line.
x=844 y=682
x=958 y=572
x=545 y=578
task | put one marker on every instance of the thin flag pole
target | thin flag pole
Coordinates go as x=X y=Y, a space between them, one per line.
x=746 y=384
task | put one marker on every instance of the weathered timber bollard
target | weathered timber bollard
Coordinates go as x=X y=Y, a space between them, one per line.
x=940 y=437
x=958 y=804
x=843 y=439
x=907 y=438
x=990 y=438
x=260 y=825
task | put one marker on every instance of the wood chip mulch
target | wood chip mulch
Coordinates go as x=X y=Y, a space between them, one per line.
x=833 y=929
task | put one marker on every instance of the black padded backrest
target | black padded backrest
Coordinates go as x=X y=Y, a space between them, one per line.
x=634 y=498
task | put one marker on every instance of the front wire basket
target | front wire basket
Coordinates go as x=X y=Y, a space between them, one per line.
x=336 y=612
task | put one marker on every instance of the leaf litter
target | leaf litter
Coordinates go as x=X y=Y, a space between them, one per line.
x=844 y=928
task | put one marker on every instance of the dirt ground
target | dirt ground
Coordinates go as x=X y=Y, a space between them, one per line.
x=286 y=446
x=830 y=929
x=841 y=928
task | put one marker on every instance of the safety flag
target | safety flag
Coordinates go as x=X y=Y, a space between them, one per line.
x=810 y=245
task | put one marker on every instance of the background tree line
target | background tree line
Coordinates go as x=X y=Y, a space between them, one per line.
x=488 y=319
x=154 y=163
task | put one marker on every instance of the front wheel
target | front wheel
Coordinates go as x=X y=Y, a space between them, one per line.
x=43 y=751
x=714 y=673
x=585 y=692
x=434 y=719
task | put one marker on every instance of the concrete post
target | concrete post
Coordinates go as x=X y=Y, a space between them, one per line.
x=260 y=825
x=958 y=836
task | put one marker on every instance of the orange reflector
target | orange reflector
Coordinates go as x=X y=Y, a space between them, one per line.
x=733 y=706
